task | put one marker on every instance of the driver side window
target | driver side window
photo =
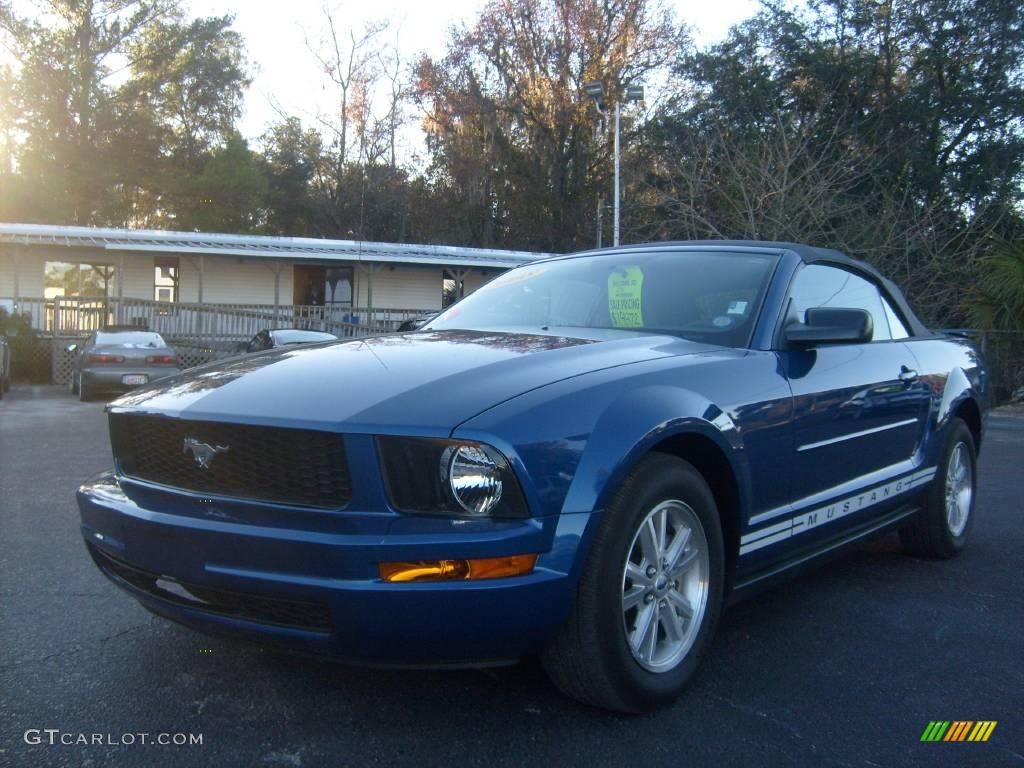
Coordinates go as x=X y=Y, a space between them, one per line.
x=820 y=285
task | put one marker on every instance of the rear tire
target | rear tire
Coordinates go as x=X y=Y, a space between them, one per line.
x=84 y=391
x=639 y=628
x=73 y=384
x=941 y=528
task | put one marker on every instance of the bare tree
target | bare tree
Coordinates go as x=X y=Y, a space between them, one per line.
x=805 y=180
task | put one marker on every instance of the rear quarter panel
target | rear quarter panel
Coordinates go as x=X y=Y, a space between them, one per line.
x=955 y=372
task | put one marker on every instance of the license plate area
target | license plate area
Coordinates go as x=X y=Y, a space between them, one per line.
x=134 y=379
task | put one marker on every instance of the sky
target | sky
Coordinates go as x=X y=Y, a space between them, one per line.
x=286 y=75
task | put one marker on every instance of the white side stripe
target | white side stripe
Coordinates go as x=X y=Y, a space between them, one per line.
x=805 y=521
x=854 y=435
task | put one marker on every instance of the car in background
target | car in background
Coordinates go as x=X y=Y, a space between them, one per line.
x=119 y=358
x=273 y=338
x=415 y=323
x=585 y=459
x=5 y=366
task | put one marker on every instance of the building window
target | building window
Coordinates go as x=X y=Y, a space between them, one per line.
x=63 y=279
x=166 y=274
x=80 y=296
x=451 y=288
x=338 y=286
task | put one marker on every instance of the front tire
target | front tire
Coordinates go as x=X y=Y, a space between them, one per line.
x=941 y=528
x=650 y=593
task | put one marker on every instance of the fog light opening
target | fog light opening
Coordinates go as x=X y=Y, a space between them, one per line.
x=457 y=570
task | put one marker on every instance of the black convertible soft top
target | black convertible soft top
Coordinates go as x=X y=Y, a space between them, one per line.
x=810 y=255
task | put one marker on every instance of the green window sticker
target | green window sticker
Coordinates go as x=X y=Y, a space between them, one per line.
x=625 y=287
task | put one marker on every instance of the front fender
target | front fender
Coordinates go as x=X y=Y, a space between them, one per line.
x=636 y=422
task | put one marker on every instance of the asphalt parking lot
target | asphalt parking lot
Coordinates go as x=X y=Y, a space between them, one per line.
x=845 y=666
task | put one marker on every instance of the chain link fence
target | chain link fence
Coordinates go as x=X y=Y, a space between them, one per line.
x=1004 y=354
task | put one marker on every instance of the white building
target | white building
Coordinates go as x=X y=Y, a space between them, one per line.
x=70 y=280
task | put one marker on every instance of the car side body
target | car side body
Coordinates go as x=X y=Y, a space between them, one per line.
x=805 y=448
x=273 y=338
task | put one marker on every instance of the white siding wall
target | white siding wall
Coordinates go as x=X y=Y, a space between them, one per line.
x=6 y=272
x=475 y=278
x=32 y=274
x=138 y=277
x=230 y=281
x=226 y=280
x=400 y=287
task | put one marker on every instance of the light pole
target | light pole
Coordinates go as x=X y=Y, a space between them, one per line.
x=595 y=90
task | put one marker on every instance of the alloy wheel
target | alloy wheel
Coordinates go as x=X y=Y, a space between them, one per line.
x=959 y=488
x=665 y=586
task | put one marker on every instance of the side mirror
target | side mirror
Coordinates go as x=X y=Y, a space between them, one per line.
x=831 y=325
x=73 y=348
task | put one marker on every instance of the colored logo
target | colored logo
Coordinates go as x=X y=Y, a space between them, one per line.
x=959 y=730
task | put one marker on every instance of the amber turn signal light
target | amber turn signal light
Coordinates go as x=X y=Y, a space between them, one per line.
x=457 y=570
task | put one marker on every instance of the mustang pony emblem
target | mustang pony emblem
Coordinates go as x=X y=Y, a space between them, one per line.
x=203 y=453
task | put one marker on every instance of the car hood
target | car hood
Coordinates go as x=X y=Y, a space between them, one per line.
x=424 y=382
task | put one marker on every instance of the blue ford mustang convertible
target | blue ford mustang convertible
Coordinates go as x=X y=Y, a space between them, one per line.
x=586 y=459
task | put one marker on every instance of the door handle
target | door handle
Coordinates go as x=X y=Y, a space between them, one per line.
x=907 y=375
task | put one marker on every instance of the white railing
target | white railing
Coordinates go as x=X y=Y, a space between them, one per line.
x=74 y=316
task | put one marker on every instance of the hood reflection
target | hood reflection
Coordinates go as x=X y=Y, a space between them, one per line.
x=190 y=385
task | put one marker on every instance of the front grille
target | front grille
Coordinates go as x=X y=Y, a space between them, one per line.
x=290 y=466
x=300 y=614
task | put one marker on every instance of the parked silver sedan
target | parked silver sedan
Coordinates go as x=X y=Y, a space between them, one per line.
x=117 y=359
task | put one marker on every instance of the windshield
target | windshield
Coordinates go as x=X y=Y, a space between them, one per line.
x=130 y=339
x=708 y=296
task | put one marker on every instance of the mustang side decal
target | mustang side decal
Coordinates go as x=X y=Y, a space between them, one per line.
x=805 y=521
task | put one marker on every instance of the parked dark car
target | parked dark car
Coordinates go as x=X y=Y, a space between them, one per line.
x=272 y=338
x=117 y=359
x=587 y=458
x=414 y=323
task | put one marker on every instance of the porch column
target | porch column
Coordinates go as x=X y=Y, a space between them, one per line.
x=460 y=276
x=370 y=269
x=119 y=317
x=276 y=269
x=199 y=294
x=16 y=255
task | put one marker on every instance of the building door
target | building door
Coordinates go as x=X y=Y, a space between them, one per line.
x=309 y=286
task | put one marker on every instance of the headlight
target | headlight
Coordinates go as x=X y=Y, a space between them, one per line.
x=449 y=477
x=474 y=478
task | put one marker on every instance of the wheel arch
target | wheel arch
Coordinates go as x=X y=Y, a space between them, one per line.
x=708 y=458
x=969 y=411
x=960 y=400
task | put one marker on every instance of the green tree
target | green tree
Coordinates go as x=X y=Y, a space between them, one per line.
x=89 y=151
x=64 y=102
x=998 y=298
x=893 y=130
x=293 y=157
x=192 y=76
x=228 y=194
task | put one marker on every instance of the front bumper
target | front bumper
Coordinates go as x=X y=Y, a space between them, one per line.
x=317 y=590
